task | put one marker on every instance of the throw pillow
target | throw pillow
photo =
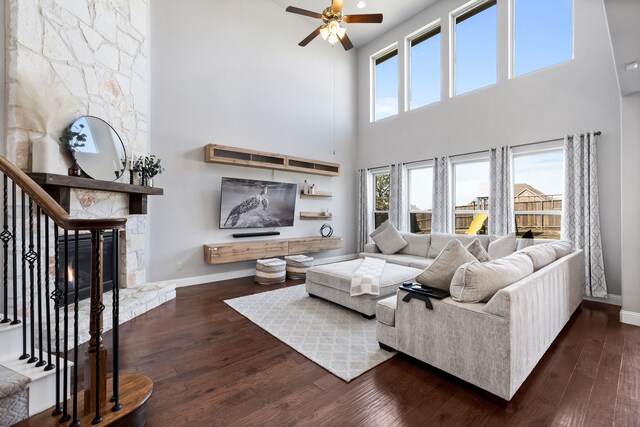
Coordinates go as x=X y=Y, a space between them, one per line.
x=389 y=240
x=441 y=271
x=541 y=255
x=478 y=251
x=503 y=246
x=476 y=281
x=562 y=248
x=528 y=235
x=381 y=228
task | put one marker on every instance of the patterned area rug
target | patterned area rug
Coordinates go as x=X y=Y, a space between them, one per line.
x=340 y=340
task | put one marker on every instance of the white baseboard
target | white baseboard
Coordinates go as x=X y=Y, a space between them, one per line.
x=630 y=317
x=612 y=299
x=217 y=277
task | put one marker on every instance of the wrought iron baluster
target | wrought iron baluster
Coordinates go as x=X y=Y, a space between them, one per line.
x=30 y=257
x=25 y=355
x=47 y=281
x=41 y=362
x=6 y=237
x=97 y=309
x=14 y=263
x=65 y=391
x=76 y=300
x=56 y=296
x=116 y=321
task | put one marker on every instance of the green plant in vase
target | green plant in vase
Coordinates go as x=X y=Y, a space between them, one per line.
x=72 y=139
x=148 y=167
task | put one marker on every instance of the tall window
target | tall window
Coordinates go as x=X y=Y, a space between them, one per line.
x=425 y=68
x=476 y=47
x=538 y=189
x=543 y=32
x=380 y=197
x=386 y=85
x=420 y=199
x=471 y=196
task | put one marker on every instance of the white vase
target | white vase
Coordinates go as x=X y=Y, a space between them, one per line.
x=45 y=156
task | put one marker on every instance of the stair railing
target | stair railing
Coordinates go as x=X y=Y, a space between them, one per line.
x=30 y=218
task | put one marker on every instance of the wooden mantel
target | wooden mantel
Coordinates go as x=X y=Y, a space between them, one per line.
x=59 y=187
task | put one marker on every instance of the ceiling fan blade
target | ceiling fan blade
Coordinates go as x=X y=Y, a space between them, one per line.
x=297 y=10
x=336 y=6
x=372 y=18
x=310 y=37
x=346 y=42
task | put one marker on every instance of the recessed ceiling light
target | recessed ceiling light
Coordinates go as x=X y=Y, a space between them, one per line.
x=361 y=5
x=631 y=66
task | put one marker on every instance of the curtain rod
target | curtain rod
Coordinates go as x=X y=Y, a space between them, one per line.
x=597 y=133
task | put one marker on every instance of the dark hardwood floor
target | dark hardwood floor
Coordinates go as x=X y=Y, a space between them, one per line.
x=211 y=366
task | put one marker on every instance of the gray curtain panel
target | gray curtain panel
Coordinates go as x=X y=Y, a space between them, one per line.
x=365 y=208
x=441 y=214
x=398 y=209
x=581 y=208
x=501 y=221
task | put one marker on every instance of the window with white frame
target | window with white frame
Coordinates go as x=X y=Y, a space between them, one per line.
x=470 y=195
x=420 y=183
x=542 y=33
x=424 y=71
x=538 y=191
x=475 y=47
x=381 y=186
x=385 y=83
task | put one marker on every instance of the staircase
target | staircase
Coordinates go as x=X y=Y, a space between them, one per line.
x=39 y=321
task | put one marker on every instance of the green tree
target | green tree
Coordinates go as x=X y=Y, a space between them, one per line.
x=382 y=191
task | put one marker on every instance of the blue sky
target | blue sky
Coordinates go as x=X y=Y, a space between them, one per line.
x=543 y=37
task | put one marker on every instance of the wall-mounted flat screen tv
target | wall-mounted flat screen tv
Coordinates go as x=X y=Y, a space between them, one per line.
x=248 y=203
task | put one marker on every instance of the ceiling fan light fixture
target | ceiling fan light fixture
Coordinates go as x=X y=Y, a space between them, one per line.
x=324 y=32
x=341 y=32
x=333 y=38
x=334 y=27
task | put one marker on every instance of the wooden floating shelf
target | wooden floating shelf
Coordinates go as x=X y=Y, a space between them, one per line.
x=214 y=153
x=316 y=195
x=222 y=253
x=59 y=187
x=314 y=216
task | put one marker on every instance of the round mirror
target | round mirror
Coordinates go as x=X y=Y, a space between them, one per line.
x=99 y=150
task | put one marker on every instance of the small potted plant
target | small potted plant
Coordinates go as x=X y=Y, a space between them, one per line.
x=72 y=140
x=147 y=167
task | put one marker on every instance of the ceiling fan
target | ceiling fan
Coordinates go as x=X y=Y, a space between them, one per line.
x=331 y=17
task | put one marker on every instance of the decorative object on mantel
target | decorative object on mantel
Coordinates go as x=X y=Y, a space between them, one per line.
x=46 y=107
x=72 y=139
x=96 y=147
x=326 y=230
x=147 y=167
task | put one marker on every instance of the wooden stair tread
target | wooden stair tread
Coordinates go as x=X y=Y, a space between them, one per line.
x=135 y=391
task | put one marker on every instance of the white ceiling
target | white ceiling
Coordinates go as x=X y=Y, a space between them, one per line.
x=622 y=17
x=394 y=11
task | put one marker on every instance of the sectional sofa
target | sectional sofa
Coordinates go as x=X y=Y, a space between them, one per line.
x=493 y=344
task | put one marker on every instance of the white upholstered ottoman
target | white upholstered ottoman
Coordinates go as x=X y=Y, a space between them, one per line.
x=333 y=283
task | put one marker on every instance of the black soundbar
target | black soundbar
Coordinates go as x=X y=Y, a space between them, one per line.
x=259 y=234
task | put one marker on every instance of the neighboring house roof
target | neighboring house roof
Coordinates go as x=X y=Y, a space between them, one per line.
x=526 y=190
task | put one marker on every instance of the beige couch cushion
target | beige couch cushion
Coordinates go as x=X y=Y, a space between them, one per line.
x=389 y=240
x=386 y=310
x=476 y=281
x=541 y=255
x=440 y=240
x=478 y=251
x=441 y=271
x=406 y=260
x=502 y=246
x=417 y=244
x=562 y=248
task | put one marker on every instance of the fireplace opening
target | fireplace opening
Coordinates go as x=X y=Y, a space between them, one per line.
x=82 y=278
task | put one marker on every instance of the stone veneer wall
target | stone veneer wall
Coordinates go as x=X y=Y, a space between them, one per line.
x=99 y=50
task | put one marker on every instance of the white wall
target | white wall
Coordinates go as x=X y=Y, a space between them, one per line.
x=3 y=76
x=576 y=96
x=231 y=73
x=630 y=124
